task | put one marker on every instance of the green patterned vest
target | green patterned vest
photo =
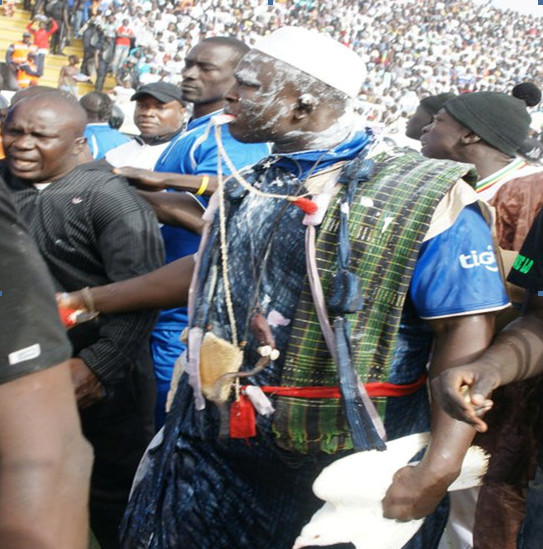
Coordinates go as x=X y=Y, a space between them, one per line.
x=389 y=218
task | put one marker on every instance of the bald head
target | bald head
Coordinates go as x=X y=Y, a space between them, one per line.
x=43 y=136
x=32 y=91
x=68 y=113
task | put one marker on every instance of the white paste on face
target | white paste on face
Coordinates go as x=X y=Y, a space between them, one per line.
x=265 y=104
x=253 y=109
x=329 y=137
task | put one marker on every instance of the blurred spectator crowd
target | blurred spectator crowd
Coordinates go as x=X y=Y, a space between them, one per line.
x=413 y=48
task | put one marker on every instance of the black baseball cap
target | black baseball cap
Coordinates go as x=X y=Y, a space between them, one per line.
x=163 y=91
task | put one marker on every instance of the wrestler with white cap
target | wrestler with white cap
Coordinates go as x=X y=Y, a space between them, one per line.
x=312 y=84
x=312 y=286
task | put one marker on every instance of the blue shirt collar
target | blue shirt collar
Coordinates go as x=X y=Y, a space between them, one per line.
x=201 y=120
x=301 y=163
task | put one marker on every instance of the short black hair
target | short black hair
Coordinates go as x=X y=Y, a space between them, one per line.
x=237 y=46
x=97 y=105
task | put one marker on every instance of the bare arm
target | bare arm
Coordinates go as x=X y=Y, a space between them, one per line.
x=148 y=180
x=54 y=27
x=416 y=491
x=45 y=465
x=176 y=209
x=61 y=76
x=162 y=288
x=516 y=353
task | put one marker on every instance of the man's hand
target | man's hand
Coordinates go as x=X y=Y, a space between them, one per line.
x=88 y=388
x=147 y=180
x=463 y=392
x=72 y=300
x=414 y=493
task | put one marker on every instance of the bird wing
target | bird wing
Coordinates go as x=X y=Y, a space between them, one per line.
x=474 y=467
x=353 y=488
x=365 y=476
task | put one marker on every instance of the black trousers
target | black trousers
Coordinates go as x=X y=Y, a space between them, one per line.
x=119 y=429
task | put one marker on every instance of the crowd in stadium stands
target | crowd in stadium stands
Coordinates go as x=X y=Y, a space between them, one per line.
x=412 y=48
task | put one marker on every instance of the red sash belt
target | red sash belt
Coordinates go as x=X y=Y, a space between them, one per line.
x=374 y=389
x=242 y=413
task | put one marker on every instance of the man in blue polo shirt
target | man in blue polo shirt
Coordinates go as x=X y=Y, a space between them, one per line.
x=189 y=164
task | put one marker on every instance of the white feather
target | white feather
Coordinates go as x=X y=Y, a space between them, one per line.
x=353 y=488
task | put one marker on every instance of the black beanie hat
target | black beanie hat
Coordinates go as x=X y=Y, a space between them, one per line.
x=434 y=103
x=499 y=119
x=528 y=92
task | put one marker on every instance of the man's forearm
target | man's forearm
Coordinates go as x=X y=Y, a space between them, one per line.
x=45 y=466
x=176 y=210
x=151 y=180
x=163 y=288
x=190 y=183
x=457 y=341
x=417 y=490
x=517 y=351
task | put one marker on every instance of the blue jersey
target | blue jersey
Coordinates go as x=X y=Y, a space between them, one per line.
x=193 y=153
x=101 y=138
x=456 y=272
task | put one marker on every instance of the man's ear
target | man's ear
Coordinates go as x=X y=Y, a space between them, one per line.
x=305 y=105
x=79 y=143
x=469 y=138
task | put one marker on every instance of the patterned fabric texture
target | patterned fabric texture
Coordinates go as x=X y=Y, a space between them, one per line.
x=388 y=219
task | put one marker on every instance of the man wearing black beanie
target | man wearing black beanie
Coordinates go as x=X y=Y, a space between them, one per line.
x=478 y=126
x=487 y=129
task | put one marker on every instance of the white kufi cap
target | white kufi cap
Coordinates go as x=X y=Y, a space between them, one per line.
x=318 y=55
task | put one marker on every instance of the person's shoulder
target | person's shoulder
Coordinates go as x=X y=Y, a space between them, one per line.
x=184 y=139
x=111 y=131
x=105 y=181
x=97 y=175
x=526 y=182
x=121 y=137
x=91 y=128
x=528 y=176
x=130 y=146
x=109 y=190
